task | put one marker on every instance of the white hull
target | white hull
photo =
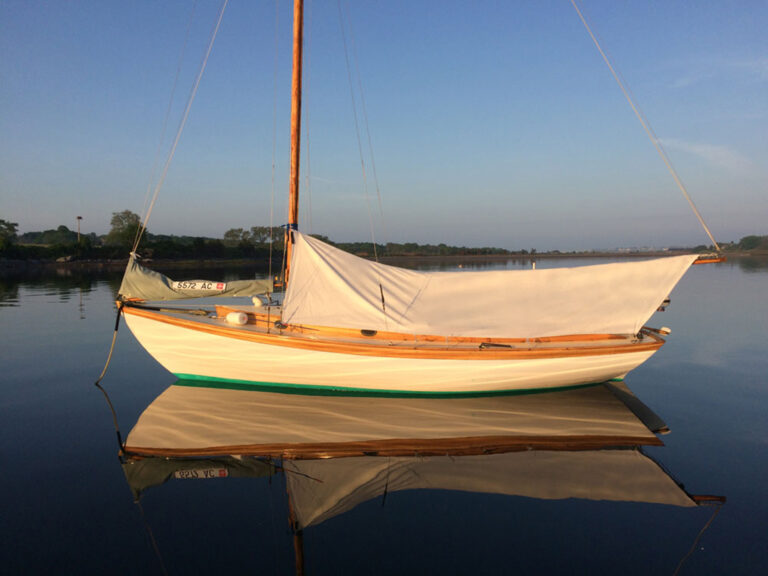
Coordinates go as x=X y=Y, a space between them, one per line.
x=190 y=353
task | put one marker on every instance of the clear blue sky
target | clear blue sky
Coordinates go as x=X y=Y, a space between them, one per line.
x=492 y=123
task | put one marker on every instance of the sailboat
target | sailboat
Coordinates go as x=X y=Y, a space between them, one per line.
x=352 y=325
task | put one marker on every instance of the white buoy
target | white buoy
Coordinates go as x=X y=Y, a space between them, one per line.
x=257 y=303
x=238 y=318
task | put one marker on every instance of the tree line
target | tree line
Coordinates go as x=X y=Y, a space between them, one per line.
x=236 y=243
x=63 y=243
x=254 y=242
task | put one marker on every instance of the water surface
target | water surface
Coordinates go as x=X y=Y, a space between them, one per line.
x=68 y=508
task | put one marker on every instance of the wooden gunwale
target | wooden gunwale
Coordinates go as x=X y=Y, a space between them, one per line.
x=389 y=350
x=470 y=446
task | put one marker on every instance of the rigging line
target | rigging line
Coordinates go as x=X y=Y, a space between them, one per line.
x=360 y=149
x=181 y=124
x=365 y=118
x=357 y=129
x=698 y=538
x=305 y=83
x=274 y=144
x=152 y=540
x=647 y=128
x=167 y=116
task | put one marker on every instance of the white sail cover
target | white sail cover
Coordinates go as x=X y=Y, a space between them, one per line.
x=329 y=287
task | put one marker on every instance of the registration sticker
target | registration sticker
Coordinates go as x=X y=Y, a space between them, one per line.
x=201 y=473
x=199 y=285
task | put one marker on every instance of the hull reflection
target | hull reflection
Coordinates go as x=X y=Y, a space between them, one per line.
x=337 y=452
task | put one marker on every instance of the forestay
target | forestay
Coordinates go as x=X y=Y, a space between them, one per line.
x=145 y=284
x=329 y=287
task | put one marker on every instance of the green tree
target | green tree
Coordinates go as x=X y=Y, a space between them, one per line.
x=235 y=236
x=261 y=234
x=125 y=226
x=8 y=234
x=753 y=242
x=62 y=235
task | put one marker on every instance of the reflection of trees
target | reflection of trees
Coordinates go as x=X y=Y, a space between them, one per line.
x=52 y=281
x=68 y=283
x=9 y=293
x=753 y=263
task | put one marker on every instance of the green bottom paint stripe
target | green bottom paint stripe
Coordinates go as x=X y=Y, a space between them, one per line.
x=193 y=380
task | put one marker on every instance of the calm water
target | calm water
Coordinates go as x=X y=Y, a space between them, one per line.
x=67 y=507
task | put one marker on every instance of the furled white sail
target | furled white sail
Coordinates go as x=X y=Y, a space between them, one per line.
x=145 y=284
x=329 y=287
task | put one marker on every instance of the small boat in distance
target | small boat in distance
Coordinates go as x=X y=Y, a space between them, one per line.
x=351 y=325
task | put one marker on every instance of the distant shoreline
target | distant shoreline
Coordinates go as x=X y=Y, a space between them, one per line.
x=109 y=265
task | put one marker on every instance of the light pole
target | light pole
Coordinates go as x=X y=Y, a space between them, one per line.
x=78 y=229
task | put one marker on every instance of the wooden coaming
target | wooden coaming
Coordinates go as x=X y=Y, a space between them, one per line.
x=258 y=318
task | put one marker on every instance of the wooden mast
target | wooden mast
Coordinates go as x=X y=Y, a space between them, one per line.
x=293 y=188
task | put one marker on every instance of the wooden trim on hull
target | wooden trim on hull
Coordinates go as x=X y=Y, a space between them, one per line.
x=405 y=447
x=460 y=351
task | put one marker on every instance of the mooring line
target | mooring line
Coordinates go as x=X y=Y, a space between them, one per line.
x=104 y=371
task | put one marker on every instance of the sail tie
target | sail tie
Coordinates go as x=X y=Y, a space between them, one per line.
x=383 y=304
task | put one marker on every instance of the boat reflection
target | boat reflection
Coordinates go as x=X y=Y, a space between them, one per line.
x=581 y=443
x=338 y=452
